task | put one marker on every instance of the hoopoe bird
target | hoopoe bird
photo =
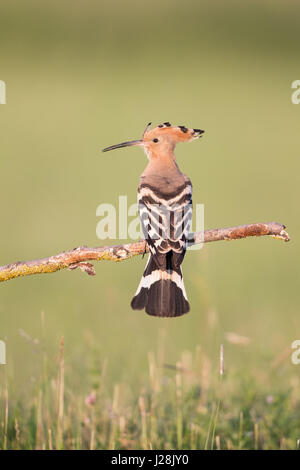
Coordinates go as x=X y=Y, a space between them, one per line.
x=165 y=210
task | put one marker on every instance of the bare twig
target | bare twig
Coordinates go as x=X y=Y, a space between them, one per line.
x=78 y=257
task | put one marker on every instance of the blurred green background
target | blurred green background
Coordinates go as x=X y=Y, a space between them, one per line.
x=86 y=74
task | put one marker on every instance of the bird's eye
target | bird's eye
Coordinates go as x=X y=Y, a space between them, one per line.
x=155 y=140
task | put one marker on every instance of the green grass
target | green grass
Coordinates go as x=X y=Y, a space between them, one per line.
x=84 y=75
x=185 y=405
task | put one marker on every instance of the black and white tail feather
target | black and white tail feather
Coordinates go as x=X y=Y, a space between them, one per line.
x=161 y=293
x=165 y=221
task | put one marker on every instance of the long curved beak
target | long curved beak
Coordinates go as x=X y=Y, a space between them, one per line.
x=123 y=144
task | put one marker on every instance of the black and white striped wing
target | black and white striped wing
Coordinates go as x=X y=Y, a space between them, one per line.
x=165 y=219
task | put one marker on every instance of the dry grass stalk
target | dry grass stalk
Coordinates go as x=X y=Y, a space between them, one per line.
x=142 y=408
x=256 y=436
x=50 y=439
x=39 y=422
x=179 y=407
x=221 y=360
x=6 y=417
x=60 y=399
x=113 y=423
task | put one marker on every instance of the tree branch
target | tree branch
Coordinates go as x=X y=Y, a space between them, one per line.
x=78 y=256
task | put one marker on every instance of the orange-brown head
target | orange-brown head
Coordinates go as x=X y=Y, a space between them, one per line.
x=161 y=140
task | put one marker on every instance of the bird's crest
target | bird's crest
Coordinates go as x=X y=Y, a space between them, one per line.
x=179 y=133
x=165 y=134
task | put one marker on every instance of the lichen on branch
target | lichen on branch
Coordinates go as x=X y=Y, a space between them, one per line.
x=79 y=257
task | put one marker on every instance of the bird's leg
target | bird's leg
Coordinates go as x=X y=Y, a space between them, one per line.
x=145 y=249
